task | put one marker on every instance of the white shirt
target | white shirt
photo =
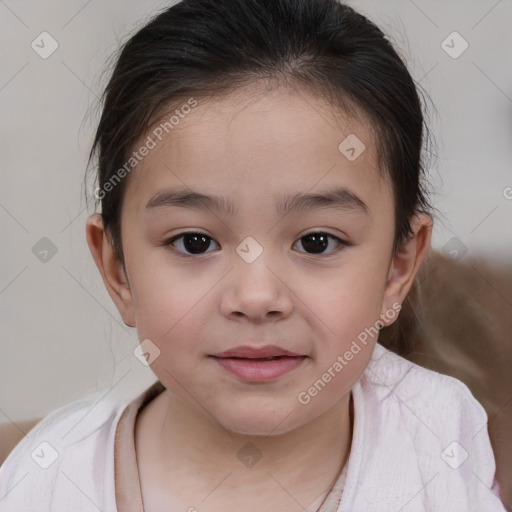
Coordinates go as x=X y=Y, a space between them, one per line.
x=420 y=443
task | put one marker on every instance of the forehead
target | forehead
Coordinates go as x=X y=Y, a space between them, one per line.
x=256 y=144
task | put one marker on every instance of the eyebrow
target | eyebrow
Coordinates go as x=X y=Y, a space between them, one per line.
x=338 y=198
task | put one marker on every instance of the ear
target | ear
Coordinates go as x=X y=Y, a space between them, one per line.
x=405 y=265
x=111 y=268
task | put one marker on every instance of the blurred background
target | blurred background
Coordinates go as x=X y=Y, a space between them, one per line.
x=61 y=335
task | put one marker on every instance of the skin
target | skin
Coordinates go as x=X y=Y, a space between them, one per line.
x=253 y=147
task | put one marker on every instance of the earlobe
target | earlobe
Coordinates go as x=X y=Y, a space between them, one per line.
x=111 y=268
x=406 y=263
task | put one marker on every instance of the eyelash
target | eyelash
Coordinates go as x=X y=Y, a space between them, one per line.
x=341 y=243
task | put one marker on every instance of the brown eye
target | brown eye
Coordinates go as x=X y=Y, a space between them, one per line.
x=316 y=243
x=192 y=243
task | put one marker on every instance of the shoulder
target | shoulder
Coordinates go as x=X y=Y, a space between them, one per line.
x=392 y=378
x=419 y=429
x=436 y=408
x=72 y=444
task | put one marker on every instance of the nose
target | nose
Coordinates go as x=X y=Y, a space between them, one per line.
x=257 y=292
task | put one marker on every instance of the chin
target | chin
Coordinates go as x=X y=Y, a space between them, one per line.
x=256 y=430
x=257 y=422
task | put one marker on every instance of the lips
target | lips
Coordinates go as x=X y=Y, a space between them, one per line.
x=266 y=352
x=259 y=364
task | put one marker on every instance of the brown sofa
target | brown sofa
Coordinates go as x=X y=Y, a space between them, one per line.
x=12 y=433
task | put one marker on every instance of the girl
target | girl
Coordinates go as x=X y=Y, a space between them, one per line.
x=263 y=215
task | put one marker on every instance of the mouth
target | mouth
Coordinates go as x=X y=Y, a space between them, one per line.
x=259 y=364
x=247 y=352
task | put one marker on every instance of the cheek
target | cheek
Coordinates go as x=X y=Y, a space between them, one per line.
x=167 y=303
x=346 y=309
x=169 y=313
x=346 y=300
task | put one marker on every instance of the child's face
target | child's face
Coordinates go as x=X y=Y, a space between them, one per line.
x=299 y=295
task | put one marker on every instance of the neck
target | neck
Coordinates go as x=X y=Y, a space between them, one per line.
x=306 y=461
